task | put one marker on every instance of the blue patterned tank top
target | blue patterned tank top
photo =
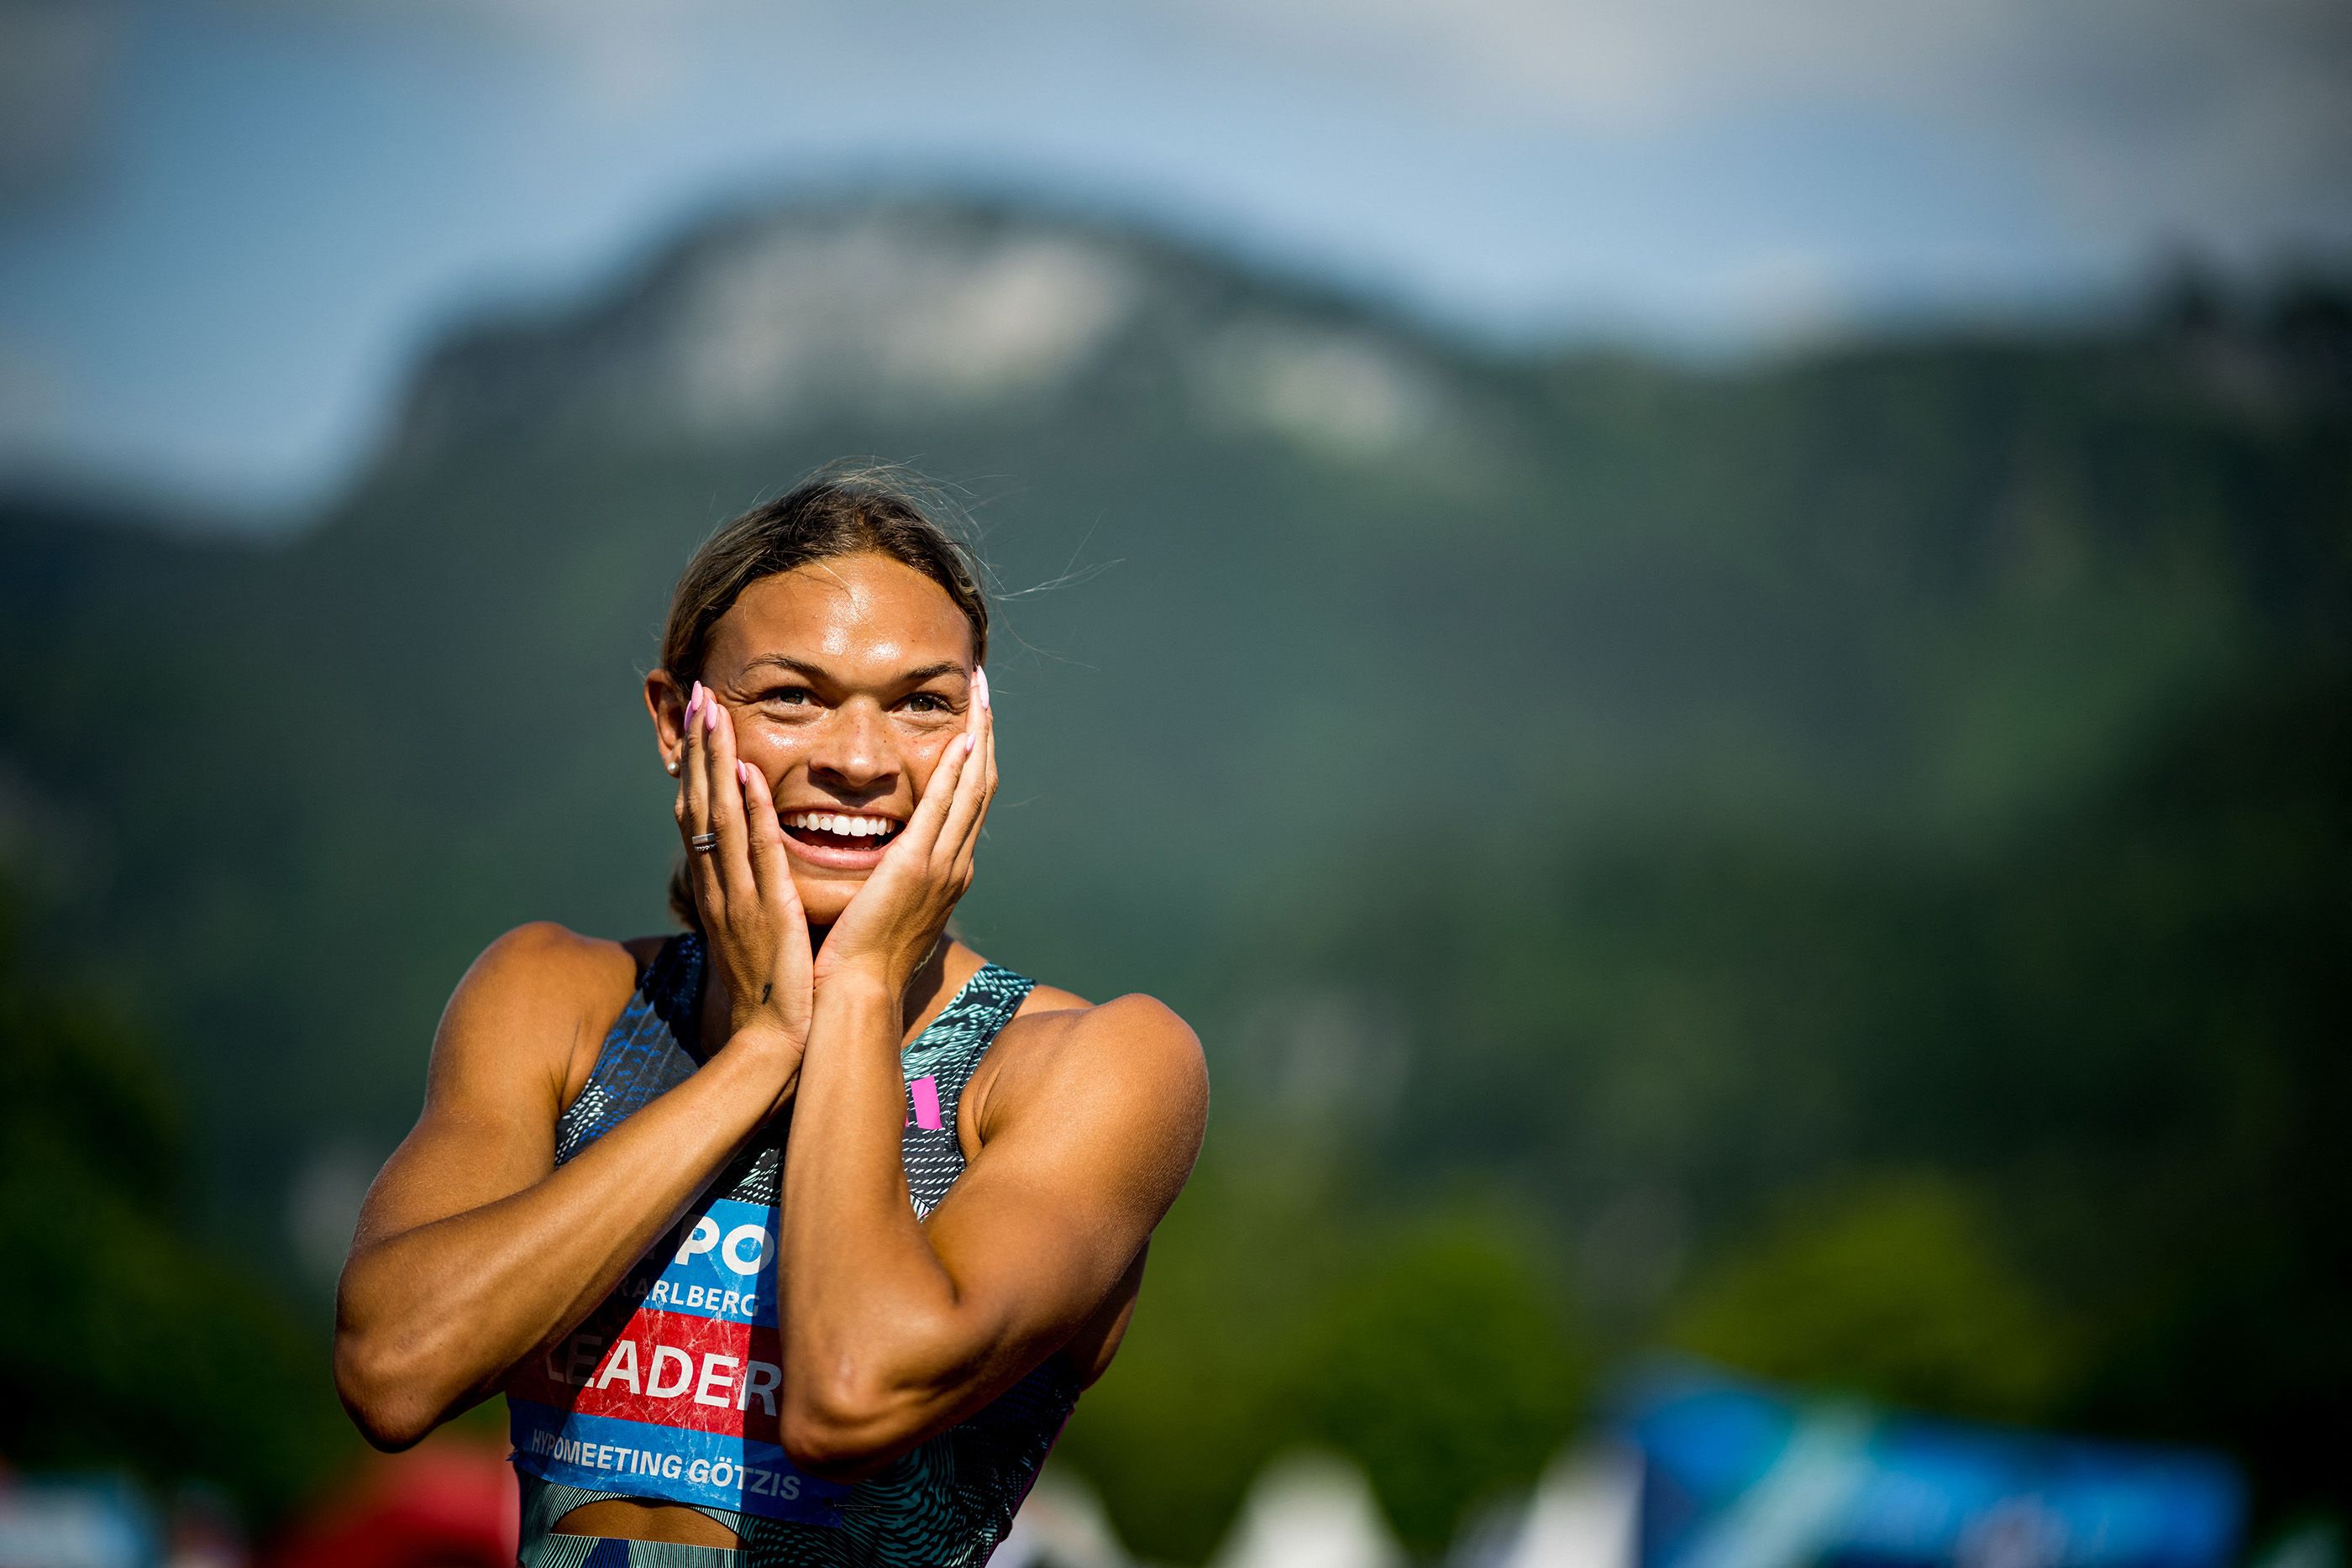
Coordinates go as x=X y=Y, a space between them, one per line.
x=666 y=1392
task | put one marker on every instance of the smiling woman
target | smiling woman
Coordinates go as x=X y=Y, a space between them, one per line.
x=723 y=1344
x=786 y=608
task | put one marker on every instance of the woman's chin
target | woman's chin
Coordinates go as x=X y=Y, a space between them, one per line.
x=825 y=895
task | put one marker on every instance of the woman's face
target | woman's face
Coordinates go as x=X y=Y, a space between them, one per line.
x=845 y=679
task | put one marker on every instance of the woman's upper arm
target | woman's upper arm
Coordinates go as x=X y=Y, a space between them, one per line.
x=1086 y=1142
x=496 y=1077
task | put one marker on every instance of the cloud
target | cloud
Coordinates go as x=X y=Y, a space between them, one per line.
x=2174 y=112
x=2177 y=116
x=1610 y=65
x=56 y=64
x=627 y=56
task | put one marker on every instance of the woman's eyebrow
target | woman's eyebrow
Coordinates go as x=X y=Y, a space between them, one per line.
x=785 y=661
x=914 y=677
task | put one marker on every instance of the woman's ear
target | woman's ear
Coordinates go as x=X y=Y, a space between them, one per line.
x=666 y=701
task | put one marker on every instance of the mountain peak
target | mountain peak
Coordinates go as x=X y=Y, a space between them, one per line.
x=771 y=318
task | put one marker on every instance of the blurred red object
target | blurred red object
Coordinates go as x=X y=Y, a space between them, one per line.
x=449 y=1504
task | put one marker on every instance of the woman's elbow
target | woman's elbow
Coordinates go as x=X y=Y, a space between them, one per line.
x=846 y=1431
x=854 y=1402
x=385 y=1400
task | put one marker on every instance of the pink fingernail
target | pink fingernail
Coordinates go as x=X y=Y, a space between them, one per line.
x=980 y=685
x=694 y=699
x=711 y=716
x=743 y=774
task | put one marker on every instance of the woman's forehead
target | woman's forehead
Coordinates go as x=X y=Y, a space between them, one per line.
x=856 y=607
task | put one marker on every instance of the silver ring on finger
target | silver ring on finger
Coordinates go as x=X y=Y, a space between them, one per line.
x=703 y=843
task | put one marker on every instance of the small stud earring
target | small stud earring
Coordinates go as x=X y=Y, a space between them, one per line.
x=672 y=765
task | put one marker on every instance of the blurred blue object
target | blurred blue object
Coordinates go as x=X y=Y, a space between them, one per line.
x=50 y=1522
x=1735 y=1475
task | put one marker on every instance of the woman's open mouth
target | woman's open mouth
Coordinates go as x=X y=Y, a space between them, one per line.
x=844 y=839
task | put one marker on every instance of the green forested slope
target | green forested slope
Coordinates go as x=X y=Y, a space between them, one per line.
x=1606 y=803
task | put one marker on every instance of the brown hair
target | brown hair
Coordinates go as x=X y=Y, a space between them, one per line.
x=839 y=510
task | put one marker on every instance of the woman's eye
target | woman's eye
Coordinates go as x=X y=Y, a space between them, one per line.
x=926 y=702
x=791 y=696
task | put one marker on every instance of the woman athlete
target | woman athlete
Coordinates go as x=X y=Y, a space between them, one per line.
x=792 y=1237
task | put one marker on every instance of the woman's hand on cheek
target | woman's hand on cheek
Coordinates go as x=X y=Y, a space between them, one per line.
x=752 y=923
x=896 y=917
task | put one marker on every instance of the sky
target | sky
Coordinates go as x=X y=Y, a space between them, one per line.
x=228 y=226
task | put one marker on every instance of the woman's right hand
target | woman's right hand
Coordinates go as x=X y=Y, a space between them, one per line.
x=752 y=923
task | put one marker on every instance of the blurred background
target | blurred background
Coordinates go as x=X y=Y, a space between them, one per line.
x=1707 y=644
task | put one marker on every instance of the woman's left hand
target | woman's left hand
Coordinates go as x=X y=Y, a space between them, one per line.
x=753 y=927
x=895 y=920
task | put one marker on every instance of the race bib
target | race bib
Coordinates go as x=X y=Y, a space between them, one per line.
x=670 y=1391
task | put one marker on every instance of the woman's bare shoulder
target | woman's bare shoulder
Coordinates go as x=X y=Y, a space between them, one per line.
x=1129 y=1068
x=1058 y=1031
x=1052 y=1011
x=541 y=987
x=544 y=960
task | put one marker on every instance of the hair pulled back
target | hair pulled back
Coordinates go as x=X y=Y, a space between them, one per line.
x=838 y=510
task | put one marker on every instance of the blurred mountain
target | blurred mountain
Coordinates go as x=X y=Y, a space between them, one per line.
x=1291 y=580
x=1318 y=623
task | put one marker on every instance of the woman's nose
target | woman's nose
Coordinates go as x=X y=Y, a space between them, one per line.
x=853 y=752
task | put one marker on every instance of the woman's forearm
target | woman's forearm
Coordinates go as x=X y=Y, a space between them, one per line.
x=869 y=1309
x=431 y=1318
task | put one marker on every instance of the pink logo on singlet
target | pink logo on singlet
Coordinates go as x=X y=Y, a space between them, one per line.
x=925 y=1092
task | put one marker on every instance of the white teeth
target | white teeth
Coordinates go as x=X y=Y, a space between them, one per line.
x=840 y=824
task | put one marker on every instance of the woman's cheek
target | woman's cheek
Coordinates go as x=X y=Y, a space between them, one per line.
x=772 y=753
x=923 y=760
